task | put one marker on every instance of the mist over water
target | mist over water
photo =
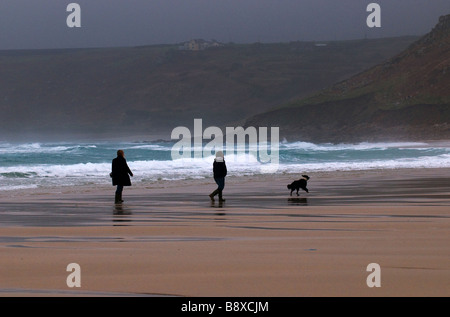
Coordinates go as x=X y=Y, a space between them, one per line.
x=37 y=165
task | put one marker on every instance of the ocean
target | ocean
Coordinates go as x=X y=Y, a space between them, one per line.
x=40 y=165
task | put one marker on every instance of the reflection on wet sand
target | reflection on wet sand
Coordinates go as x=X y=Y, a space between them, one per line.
x=218 y=204
x=298 y=201
x=121 y=213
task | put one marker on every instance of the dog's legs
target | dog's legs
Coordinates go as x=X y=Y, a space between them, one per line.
x=298 y=193
x=291 y=192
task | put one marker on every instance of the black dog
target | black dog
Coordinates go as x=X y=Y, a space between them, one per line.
x=300 y=184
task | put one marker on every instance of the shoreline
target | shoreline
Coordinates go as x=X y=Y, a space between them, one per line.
x=168 y=239
x=318 y=177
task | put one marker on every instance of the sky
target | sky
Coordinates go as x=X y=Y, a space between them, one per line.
x=41 y=24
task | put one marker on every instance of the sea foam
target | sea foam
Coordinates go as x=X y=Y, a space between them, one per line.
x=68 y=164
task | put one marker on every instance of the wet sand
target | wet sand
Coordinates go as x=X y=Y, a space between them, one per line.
x=168 y=239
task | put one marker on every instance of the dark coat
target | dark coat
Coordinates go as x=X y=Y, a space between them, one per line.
x=219 y=169
x=120 y=172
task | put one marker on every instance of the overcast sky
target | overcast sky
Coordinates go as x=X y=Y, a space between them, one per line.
x=26 y=24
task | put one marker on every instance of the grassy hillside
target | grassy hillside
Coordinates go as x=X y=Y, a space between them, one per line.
x=407 y=97
x=150 y=90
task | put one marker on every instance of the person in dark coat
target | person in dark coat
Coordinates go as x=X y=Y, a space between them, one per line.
x=120 y=174
x=219 y=171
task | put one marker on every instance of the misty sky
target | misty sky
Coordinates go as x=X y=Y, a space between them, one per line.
x=27 y=24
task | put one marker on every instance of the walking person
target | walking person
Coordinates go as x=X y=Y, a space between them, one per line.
x=219 y=171
x=120 y=175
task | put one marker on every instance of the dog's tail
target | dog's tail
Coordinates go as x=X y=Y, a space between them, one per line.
x=289 y=186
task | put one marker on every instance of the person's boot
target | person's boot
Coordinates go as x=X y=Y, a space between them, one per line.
x=214 y=193
x=220 y=197
x=120 y=198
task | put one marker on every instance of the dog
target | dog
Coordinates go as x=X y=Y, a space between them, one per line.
x=299 y=184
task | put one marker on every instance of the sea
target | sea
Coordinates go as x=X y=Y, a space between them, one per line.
x=57 y=164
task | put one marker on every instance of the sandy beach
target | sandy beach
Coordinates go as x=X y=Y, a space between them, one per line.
x=168 y=239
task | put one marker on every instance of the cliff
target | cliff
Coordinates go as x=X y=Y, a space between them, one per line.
x=407 y=97
x=148 y=91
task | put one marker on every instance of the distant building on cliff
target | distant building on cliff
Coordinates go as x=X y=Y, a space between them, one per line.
x=199 y=44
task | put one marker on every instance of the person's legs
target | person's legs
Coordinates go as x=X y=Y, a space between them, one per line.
x=215 y=192
x=221 y=185
x=119 y=190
